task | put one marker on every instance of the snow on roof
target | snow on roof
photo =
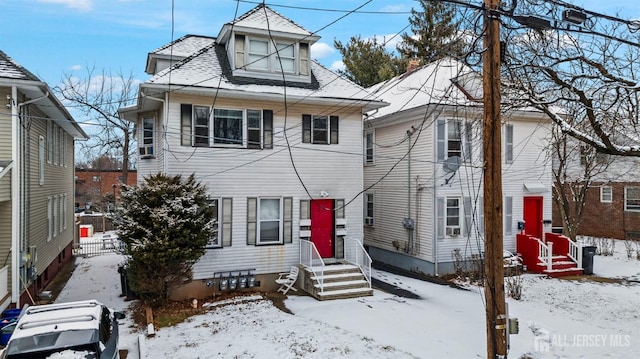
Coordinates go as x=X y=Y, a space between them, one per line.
x=429 y=84
x=204 y=70
x=12 y=70
x=264 y=18
x=184 y=46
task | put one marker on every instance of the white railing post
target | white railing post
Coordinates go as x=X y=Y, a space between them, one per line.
x=549 y=255
x=579 y=254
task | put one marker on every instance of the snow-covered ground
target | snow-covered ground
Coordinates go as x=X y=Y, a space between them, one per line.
x=558 y=319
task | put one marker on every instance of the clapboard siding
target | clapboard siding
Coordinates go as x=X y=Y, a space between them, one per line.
x=240 y=173
x=59 y=181
x=5 y=126
x=430 y=181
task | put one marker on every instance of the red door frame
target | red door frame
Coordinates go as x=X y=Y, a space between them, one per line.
x=532 y=215
x=323 y=227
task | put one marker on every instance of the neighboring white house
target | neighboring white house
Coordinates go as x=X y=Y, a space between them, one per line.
x=36 y=184
x=275 y=136
x=423 y=170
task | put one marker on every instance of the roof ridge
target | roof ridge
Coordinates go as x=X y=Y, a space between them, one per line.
x=264 y=6
x=187 y=59
x=178 y=40
x=19 y=67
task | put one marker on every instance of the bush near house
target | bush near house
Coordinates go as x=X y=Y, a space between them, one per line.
x=165 y=224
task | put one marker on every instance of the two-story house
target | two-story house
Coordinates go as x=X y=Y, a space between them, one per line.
x=275 y=136
x=36 y=184
x=424 y=170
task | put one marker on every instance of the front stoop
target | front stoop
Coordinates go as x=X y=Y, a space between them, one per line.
x=340 y=281
x=560 y=266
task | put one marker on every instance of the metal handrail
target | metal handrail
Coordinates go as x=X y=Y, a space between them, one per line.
x=310 y=258
x=355 y=253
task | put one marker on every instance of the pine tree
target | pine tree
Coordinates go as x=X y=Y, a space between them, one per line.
x=435 y=33
x=165 y=224
x=367 y=62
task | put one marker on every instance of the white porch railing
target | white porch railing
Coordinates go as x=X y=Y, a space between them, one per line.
x=545 y=253
x=310 y=258
x=575 y=252
x=355 y=253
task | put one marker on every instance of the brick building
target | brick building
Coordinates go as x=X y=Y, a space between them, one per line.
x=93 y=185
x=612 y=210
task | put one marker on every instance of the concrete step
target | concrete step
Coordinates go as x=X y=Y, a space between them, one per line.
x=345 y=293
x=332 y=286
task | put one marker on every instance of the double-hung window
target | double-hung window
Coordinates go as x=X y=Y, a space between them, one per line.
x=246 y=128
x=606 y=194
x=286 y=57
x=269 y=220
x=221 y=219
x=320 y=129
x=632 y=199
x=368 y=209
x=258 y=55
x=148 y=124
x=454 y=139
x=453 y=217
x=368 y=148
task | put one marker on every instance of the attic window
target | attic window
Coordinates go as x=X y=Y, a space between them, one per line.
x=264 y=57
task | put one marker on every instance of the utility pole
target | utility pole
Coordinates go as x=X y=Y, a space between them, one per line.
x=492 y=149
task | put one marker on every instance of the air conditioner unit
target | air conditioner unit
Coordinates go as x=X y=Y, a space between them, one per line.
x=146 y=152
x=453 y=231
x=368 y=221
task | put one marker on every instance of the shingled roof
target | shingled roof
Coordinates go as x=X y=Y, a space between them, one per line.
x=10 y=69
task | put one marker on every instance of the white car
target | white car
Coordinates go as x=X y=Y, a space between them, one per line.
x=85 y=329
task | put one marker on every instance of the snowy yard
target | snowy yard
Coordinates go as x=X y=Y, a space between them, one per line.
x=558 y=319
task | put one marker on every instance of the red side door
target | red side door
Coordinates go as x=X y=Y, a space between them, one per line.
x=533 y=216
x=322 y=226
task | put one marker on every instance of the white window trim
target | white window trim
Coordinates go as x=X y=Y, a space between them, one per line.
x=259 y=222
x=211 y=127
x=367 y=146
x=466 y=139
x=369 y=198
x=453 y=229
x=626 y=199
x=602 y=194
x=41 y=159
x=218 y=202
x=49 y=218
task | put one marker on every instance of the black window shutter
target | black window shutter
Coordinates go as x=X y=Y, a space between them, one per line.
x=334 y=129
x=306 y=128
x=267 y=125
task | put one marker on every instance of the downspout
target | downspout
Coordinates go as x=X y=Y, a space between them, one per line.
x=17 y=194
x=435 y=202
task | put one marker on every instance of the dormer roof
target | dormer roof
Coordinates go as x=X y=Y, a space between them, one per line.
x=265 y=21
x=177 y=50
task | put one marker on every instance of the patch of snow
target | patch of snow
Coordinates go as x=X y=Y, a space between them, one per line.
x=558 y=319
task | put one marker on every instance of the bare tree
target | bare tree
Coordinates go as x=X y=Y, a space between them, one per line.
x=99 y=96
x=589 y=68
x=575 y=166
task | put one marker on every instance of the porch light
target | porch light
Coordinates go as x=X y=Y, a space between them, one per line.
x=324 y=194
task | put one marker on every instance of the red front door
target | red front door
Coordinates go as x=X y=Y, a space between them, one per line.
x=322 y=226
x=533 y=216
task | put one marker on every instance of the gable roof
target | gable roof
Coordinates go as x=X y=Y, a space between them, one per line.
x=430 y=84
x=265 y=20
x=10 y=69
x=13 y=74
x=207 y=71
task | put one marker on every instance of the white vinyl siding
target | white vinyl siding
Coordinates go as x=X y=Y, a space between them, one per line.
x=41 y=160
x=454 y=139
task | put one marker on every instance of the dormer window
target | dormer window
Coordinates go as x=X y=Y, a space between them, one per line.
x=256 y=56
